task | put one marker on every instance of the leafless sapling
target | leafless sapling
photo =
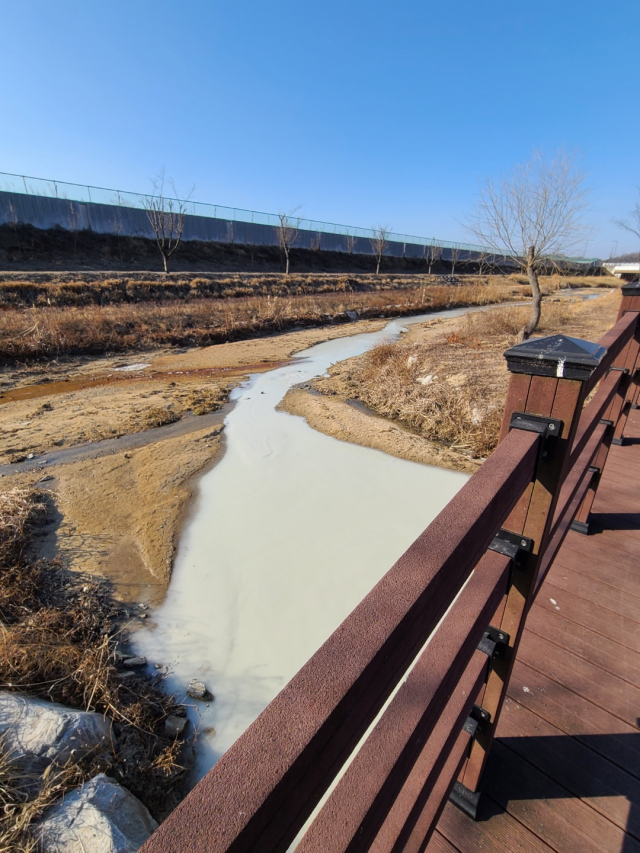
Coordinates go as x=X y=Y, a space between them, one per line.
x=166 y=216
x=454 y=254
x=288 y=231
x=533 y=215
x=379 y=243
x=434 y=253
x=482 y=259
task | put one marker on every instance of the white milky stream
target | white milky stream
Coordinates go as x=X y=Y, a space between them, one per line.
x=291 y=529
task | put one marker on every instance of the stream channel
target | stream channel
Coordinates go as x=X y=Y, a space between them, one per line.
x=290 y=530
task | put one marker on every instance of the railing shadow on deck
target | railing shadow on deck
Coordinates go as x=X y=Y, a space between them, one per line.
x=615 y=521
x=405 y=696
x=547 y=768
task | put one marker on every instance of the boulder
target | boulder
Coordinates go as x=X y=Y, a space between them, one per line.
x=36 y=733
x=98 y=817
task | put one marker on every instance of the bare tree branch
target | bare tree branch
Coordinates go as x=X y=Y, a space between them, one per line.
x=533 y=216
x=288 y=231
x=379 y=243
x=166 y=216
x=434 y=253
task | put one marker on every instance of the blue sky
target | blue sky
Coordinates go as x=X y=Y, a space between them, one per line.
x=364 y=113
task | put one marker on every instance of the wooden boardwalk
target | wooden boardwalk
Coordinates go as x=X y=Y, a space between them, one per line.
x=564 y=772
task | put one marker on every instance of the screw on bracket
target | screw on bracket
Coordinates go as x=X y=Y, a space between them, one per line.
x=494 y=642
x=549 y=430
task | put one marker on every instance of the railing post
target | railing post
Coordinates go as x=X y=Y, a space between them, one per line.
x=548 y=383
x=621 y=405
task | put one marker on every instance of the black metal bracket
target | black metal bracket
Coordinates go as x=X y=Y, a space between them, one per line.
x=477 y=720
x=624 y=370
x=596 y=472
x=482 y=717
x=581 y=527
x=511 y=545
x=466 y=800
x=549 y=430
x=493 y=642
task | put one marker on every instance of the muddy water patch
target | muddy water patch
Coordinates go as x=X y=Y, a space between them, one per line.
x=129 y=376
x=290 y=531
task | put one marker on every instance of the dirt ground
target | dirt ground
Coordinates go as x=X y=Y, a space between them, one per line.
x=118 y=513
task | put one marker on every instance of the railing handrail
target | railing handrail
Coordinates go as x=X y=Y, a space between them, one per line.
x=404 y=667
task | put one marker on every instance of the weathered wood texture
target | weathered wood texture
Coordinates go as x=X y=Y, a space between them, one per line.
x=564 y=772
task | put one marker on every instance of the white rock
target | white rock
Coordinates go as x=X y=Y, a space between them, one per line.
x=134 y=661
x=197 y=690
x=36 y=732
x=99 y=817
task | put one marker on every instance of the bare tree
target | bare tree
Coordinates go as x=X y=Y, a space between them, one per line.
x=454 y=254
x=532 y=215
x=118 y=230
x=288 y=231
x=350 y=240
x=379 y=243
x=434 y=253
x=483 y=262
x=166 y=216
x=633 y=224
x=74 y=220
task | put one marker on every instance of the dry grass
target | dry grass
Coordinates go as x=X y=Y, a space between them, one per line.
x=59 y=634
x=40 y=333
x=452 y=389
x=95 y=290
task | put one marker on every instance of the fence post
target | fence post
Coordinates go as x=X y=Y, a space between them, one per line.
x=621 y=405
x=546 y=394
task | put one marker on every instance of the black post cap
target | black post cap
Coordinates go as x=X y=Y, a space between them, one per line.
x=631 y=288
x=556 y=355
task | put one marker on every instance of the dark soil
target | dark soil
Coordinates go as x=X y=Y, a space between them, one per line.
x=23 y=247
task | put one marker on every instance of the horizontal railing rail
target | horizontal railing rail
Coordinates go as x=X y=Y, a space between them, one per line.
x=398 y=708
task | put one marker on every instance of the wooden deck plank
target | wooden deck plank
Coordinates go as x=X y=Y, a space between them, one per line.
x=582 y=677
x=626 y=632
x=547 y=809
x=576 y=716
x=439 y=844
x=501 y=834
x=566 y=574
x=585 y=643
x=583 y=772
x=603 y=561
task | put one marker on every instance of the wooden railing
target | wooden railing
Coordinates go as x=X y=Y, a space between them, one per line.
x=400 y=705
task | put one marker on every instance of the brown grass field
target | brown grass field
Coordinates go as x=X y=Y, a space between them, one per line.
x=49 y=332
x=452 y=388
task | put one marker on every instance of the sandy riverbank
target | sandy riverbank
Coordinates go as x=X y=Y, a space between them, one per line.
x=119 y=514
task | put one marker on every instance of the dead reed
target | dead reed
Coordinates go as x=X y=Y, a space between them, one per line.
x=452 y=389
x=40 y=333
x=59 y=638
